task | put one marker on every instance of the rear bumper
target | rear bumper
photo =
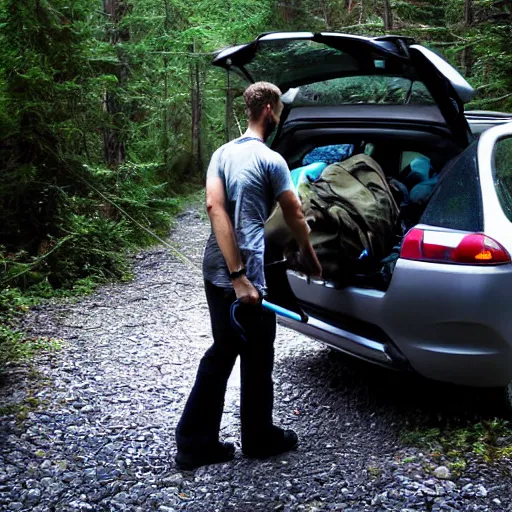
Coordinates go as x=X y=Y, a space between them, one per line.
x=350 y=343
x=449 y=323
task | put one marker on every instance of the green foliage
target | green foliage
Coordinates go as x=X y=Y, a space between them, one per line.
x=489 y=439
x=14 y=344
x=454 y=11
x=491 y=72
x=480 y=49
x=57 y=220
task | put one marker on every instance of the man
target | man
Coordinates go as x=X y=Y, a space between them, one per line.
x=245 y=178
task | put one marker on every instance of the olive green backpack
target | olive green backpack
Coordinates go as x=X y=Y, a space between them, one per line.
x=352 y=216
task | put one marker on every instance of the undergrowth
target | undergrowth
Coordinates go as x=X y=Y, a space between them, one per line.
x=489 y=439
x=15 y=345
x=93 y=250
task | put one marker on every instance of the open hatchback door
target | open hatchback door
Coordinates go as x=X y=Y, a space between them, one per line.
x=296 y=61
x=329 y=83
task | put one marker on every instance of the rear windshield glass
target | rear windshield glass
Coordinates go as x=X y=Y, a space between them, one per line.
x=503 y=174
x=329 y=76
x=360 y=89
x=285 y=62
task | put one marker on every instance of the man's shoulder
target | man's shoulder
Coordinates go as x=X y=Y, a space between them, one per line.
x=221 y=149
x=266 y=155
x=277 y=161
x=271 y=156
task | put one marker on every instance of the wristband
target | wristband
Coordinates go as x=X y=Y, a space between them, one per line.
x=238 y=273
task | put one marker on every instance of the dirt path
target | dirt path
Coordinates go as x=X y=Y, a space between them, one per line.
x=91 y=427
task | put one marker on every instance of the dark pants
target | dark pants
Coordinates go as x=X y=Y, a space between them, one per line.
x=200 y=423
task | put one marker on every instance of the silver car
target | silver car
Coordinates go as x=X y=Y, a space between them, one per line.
x=445 y=310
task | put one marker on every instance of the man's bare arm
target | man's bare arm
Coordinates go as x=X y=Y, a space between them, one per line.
x=294 y=218
x=225 y=235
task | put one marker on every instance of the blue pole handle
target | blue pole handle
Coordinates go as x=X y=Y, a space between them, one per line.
x=268 y=305
x=281 y=311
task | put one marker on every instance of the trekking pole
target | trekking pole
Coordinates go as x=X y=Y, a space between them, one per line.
x=237 y=326
x=281 y=311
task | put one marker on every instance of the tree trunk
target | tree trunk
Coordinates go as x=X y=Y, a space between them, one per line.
x=468 y=13
x=196 y=102
x=113 y=138
x=324 y=7
x=229 y=106
x=289 y=10
x=467 y=54
x=165 y=109
x=361 y=13
x=388 y=16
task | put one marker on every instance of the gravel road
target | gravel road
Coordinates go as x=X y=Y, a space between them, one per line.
x=91 y=427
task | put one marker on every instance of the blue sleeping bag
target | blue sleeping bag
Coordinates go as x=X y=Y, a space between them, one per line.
x=329 y=154
x=318 y=159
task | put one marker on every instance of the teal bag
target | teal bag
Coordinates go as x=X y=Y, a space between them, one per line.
x=309 y=172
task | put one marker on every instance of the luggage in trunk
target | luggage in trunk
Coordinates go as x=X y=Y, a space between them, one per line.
x=352 y=215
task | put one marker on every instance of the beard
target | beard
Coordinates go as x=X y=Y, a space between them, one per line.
x=270 y=126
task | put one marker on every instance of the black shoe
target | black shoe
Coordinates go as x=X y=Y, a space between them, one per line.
x=279 y=441
x=216 y=454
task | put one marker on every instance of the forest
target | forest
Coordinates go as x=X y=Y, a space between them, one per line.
x=110 y=110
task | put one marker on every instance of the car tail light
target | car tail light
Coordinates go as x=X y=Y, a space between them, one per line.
x=458 y=248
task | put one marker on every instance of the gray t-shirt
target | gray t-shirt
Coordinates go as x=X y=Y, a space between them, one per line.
x=254 y=177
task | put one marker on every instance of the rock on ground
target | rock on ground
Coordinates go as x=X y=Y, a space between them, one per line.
x=95 y=428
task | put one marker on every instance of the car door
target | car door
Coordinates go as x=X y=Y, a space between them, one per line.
x=495 y=169
x=294 y=59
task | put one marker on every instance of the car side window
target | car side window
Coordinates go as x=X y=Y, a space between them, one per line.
x=457 y=201
x=503 y=174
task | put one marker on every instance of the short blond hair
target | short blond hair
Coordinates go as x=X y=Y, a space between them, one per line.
x=257 y=96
